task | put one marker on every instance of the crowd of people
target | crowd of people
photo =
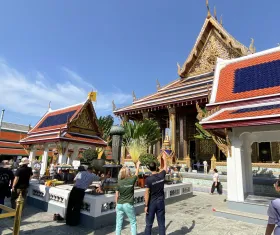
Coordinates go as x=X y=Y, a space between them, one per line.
x=12 y=184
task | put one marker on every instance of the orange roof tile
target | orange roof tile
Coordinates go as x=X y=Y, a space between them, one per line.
x=227 y=87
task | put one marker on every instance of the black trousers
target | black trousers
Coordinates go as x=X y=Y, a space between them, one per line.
x=15 y=195
x=75 y=203
x=156 y=208
x=218 y=187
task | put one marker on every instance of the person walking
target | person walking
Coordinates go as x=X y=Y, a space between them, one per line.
x=205 y=164
x=216 y=182
x=82 y=181
x=21 y=182
x=155 y=199
x=6 y=180
x=125 y=199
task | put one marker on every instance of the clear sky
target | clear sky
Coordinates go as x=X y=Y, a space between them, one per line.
x=60 y=50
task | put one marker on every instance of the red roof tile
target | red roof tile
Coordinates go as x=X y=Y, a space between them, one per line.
x=4 y=144
x=85 y=139
x=8 y=151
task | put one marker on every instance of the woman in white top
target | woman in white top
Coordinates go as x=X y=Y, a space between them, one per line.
x=216 y=182
x=273 y=213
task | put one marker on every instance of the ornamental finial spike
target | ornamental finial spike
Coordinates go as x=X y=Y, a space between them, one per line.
x=178 y=69
x=158 y=85
x=215 y=13
x=134 y=96
x=221 y=20
x=49 y=108
x=114 y=106
x=208 y=9
x=252 y=47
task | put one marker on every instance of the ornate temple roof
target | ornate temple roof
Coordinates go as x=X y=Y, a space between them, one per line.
x=196 y=74
x=247 y=90
x=76 y=123
x=14 y=127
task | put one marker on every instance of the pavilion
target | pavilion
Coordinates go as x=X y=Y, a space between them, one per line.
x=247 y=93
x=174 y=105
x=68 y=131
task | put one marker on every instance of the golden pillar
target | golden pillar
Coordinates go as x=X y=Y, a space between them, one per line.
x=172 y=126
x=213 y=162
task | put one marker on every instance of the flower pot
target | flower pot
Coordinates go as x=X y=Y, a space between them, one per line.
x=98 y=164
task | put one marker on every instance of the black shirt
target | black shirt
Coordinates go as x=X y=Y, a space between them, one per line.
x=24 y=173
x=6 y=176
x=156 y=185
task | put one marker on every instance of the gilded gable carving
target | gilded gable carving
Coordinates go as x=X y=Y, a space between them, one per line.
x=84 y=120
x=214 y=47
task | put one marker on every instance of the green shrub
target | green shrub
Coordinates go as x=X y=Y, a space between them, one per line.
x=147 y=158
x=88 y=156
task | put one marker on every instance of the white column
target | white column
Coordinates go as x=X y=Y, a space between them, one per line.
x=32 y=156
x=44 y=161
x=247 y=157
x=235 y=173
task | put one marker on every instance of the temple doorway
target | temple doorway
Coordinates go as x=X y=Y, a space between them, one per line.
x=192 y=150
x=265 y=152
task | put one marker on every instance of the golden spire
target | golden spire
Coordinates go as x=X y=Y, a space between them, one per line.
x=208 y=9
x=49 y=106
x=221 y=20
x=158 y=85
x=215 y=13
x=114 y=106
x=178 y=69
x=252 y=47
x=133 y=95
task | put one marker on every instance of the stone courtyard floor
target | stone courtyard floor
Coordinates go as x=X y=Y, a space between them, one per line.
x=191 y=216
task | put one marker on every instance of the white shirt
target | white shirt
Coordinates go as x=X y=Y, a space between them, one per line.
x=216 y=176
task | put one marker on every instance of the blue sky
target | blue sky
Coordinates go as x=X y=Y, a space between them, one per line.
x=60 y=50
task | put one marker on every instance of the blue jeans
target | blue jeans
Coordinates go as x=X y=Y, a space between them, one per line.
x=2 y=199
x=127 y=209
x=156 y=208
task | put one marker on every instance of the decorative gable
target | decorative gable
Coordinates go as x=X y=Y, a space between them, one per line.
x=85 y=122
x=214 y=47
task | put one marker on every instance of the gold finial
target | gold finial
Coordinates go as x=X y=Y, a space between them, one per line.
x=208 y=9
x=221 y=20
x=50 y=105
x=215 y=13
x=29 y=127
x=252 y=47
x=158 y=85
x=114 y=106
x=133 y=95
x=178 y=69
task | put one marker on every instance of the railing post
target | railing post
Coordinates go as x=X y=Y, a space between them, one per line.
x=213 y=162
x=19 y=207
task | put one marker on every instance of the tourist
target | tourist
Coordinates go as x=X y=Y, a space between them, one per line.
x=125 y=199
x=154 y=198
x=21 y=182
x=216 y=182
x=205 y=164
x=82 y=181
x=273 y=213
x=6 y=180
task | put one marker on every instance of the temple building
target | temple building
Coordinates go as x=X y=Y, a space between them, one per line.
x=67 y=132
x=174 y=105
x=10 y=135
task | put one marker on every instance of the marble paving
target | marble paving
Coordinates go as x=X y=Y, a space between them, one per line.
x=191 y=216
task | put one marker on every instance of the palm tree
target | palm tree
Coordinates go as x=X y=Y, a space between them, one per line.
x=147 y=130
x=105 y=123
x=139 y=135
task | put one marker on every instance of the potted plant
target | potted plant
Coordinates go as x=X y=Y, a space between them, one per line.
x=90 y=158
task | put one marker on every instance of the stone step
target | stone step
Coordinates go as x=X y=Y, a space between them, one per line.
x=242 y=216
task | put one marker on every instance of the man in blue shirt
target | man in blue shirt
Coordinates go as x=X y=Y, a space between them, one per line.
x=82 y=181
x=154 y=198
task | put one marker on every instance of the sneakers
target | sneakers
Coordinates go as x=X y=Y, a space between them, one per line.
x=57 y=217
